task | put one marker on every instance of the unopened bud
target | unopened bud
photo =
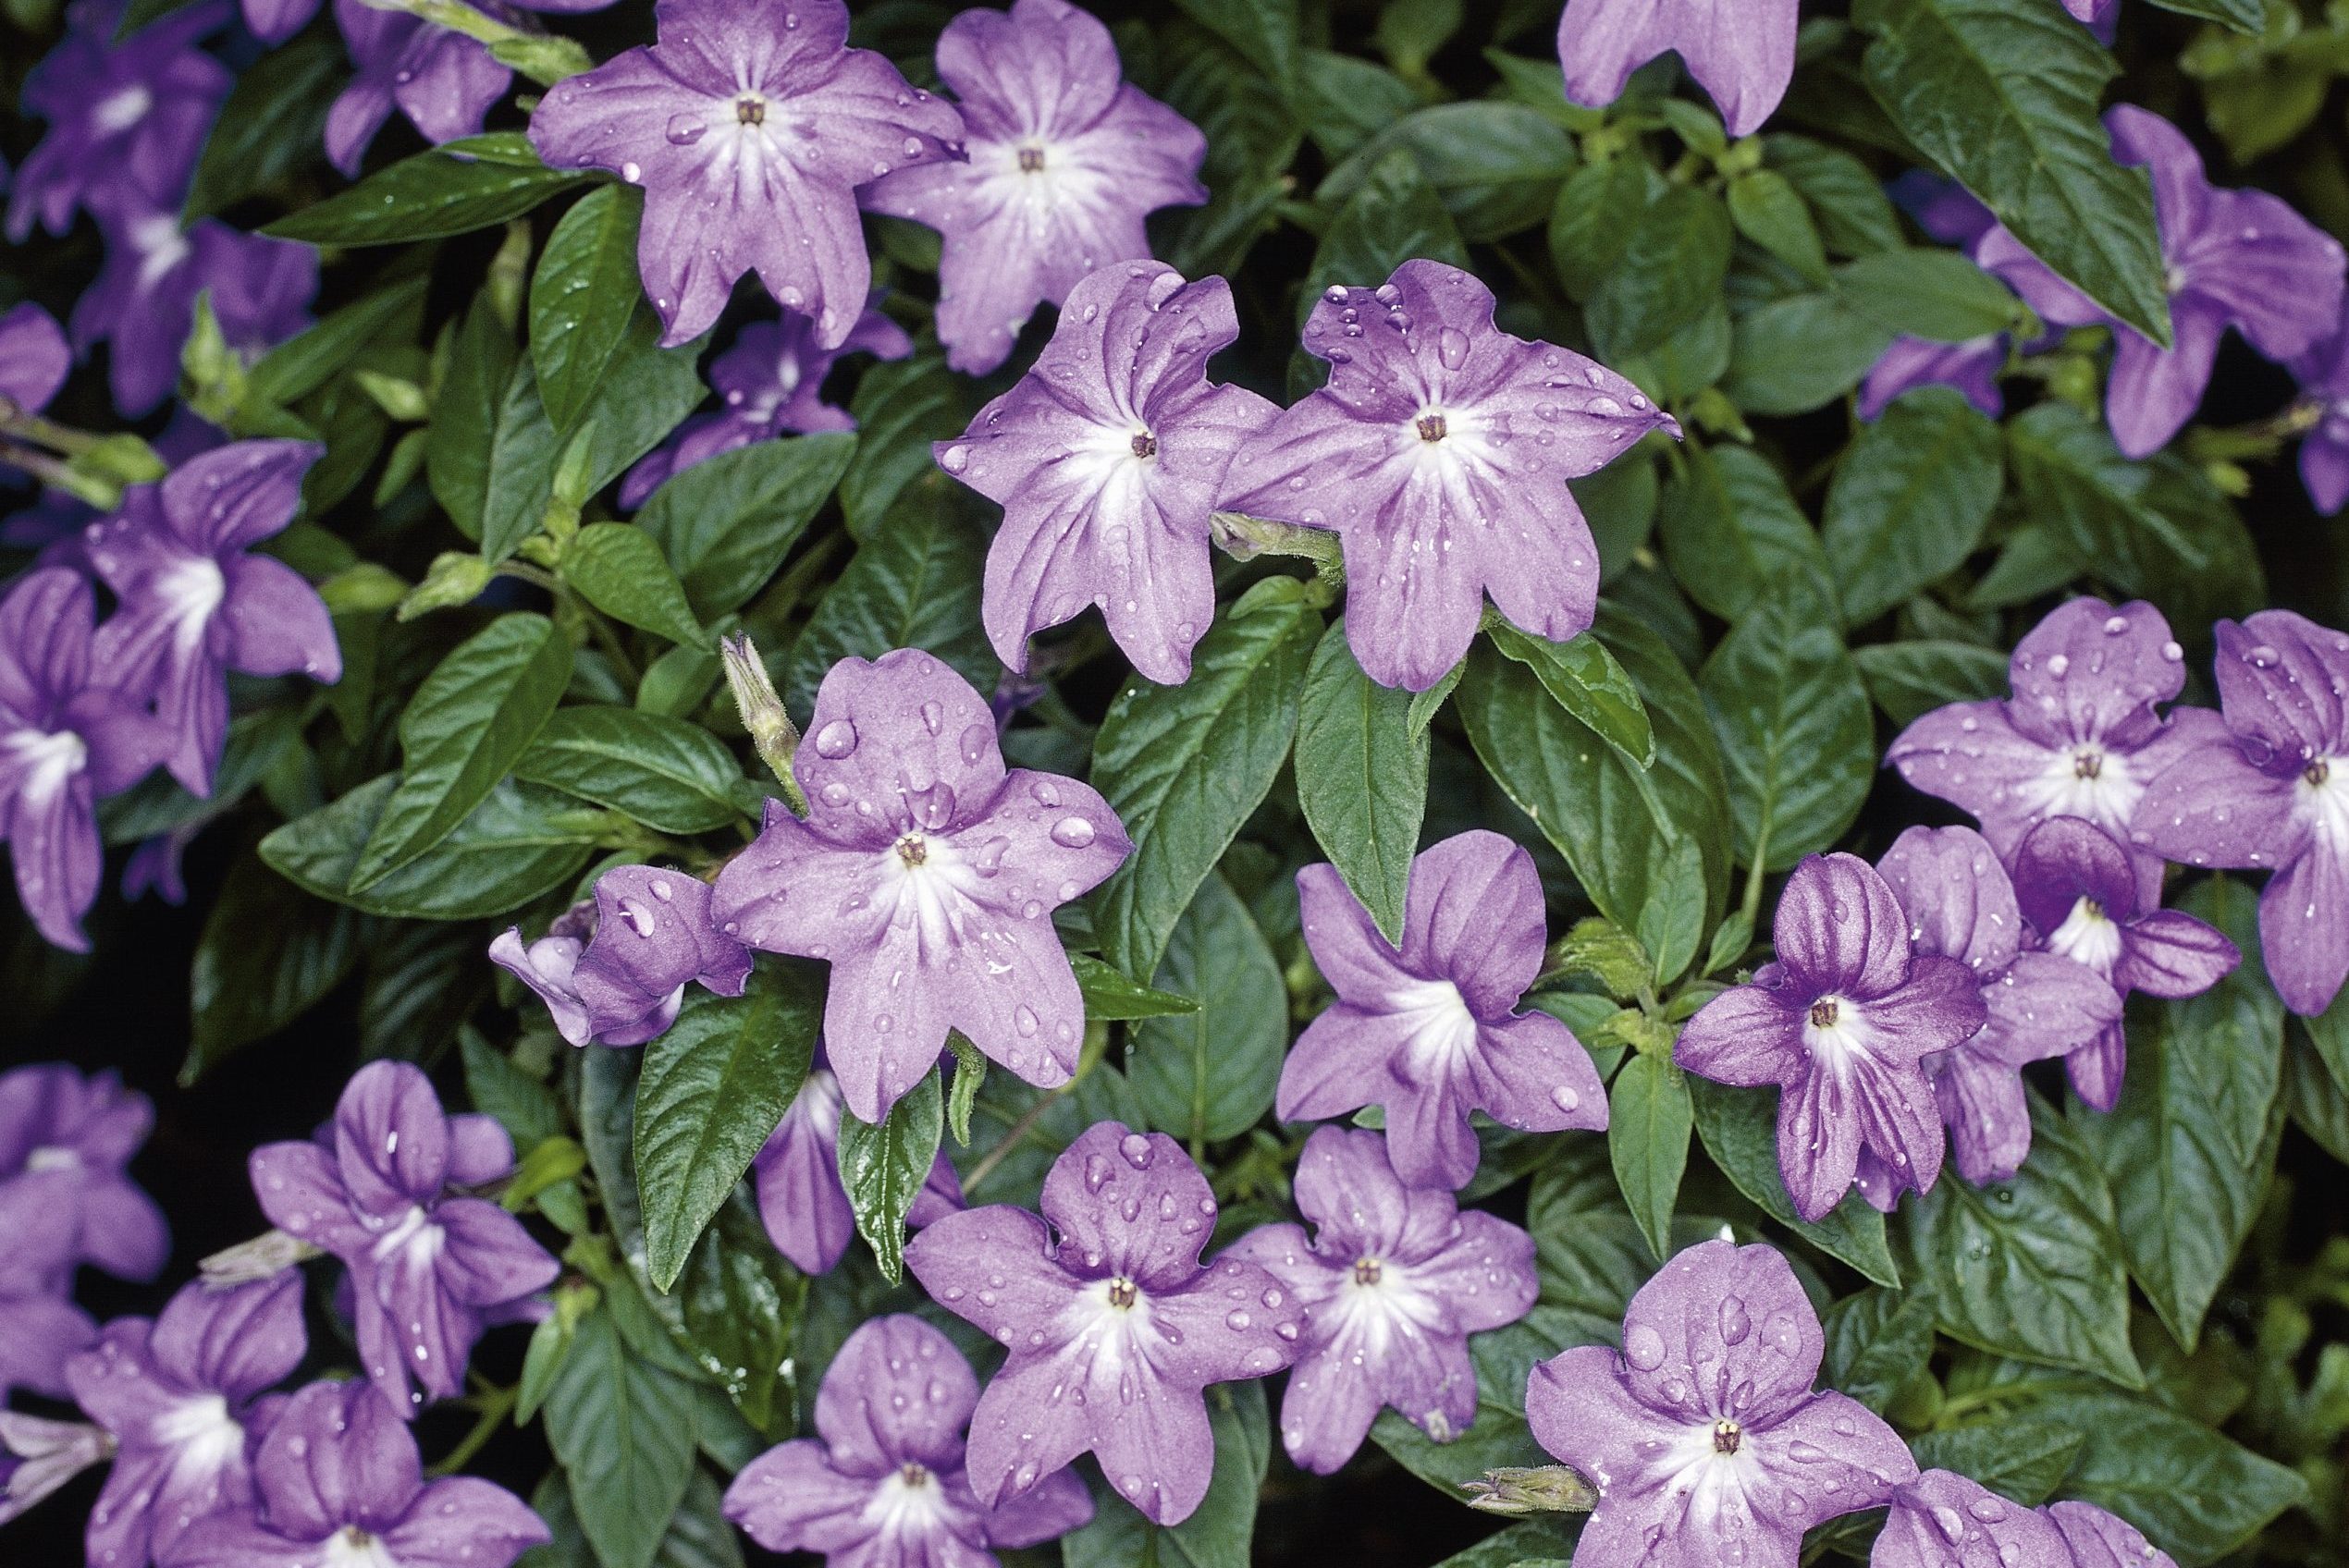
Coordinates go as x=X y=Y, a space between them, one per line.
x=1549 y=1489
x=50 y=1453
x=263 y=1257
x=454 y=578
x=770 y=727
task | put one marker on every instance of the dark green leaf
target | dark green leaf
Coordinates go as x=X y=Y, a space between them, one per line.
x=1598 y=209
x=900 y=410
x=741 y=1303
x=1670 y=273
x=300 y=365
x=453 y=188
x=1362 y=778
x=1937 y=295
x=271 y=124
x=2244 y=15
x=264 y=959
x=1495 y=166
x=624 y=1431
x=1910 y=500
x=519 y=842
x=1768 y=210
x=1647 y=1138
x=1908 y=680
x=1588 y=683
x=1800 y=353
x=1208 y=1075
x=525 y=1108
x=1265 y=32
x=1730 y=529
x=1534 y=1543
x=726 y=524
x=1110 y=996
x=664 y=772
x=581 y=299
x=1739 y=1130
x=1855 y=217
x=884 y=1169
x=914 y=583
x=617 y=568
x=461 y=444
x=2022 y=1458
x=1394 y=215
x=1877 y=1341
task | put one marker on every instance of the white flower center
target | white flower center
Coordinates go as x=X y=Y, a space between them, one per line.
x=123 y=109
x=2088 y=936
x=909 y=1502
x=48 y=761
x=1443 y=1029
x=52 y=1156
x=2085 y=780
x=352 y=1547
x=414 y=1234
x=1836 y=1033
x=193 y=589
x=2322 y=794
x=207 y=1439
x=159 y=246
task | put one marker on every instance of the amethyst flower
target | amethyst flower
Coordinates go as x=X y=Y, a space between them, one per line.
x=749 y=127
x=2041 y=1004
x=70 y=1139
x=2078 y=737
x=1942 y=1518
x=181 y=1396
x=2323 y=373
x=145 y=299
x=198 y=602
x=2077 y=893
x=1065 y=160
x=69 y=734
x=801 y=1200
x=33 y=360
x=2096 y=13
x=2272 y=791
x=429 y=1267
x=2236 y=258
x=1113 y=1324
x=1841 y=1022
x=39 y=1326
x=1704 y=1437
x=1439 y=451
x=122 y=117
x=1107 y=457
x=340 y=1486
x=1739 y=51
x=1430 y=1030
x=1393 y=1281
x=927 y=873
x=882 y=1485
x=652 y=933
x=2099 y=1539
x=772 y=382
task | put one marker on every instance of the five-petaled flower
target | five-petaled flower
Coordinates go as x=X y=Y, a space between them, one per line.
x=1113 y=1328
x=927 y=873
x=882 y=1484
x=1429 y=1030
x=182 y=1396
x=429 y=1267
x=2080 y=736
x=1704 y=1437
x=1393 y=1281
x=65 y=1141
x=1841 y=1022
x=623 y=984
x=1739 y=51
x=340 y=1483
x=1107 y=457
x=750 y=128
x=1065 y=160
x=39 y=1326
x=197 y=602
x=1439 y=452
x=2270 y=790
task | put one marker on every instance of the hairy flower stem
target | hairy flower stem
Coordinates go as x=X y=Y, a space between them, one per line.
x=770 y=727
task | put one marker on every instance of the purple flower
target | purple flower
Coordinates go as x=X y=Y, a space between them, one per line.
x=2099 y=1539
x=54 y=526
x=772 y=382
x=340 y=1483
x=69 y=734
x=37 y=1457
x=651 y=934
x=2079 y=896
x=125 y=120
x=882 y=1485
x=1704 y=1437
x=33 y=359
x=181 y=1396
x=1393 y=1281
x=1430 y=1030
x=1107 y=457
x=749 y=127
x=1942 y=1518
x=2080 y=736
x=2097 y=14
x=1065 y=160
x=927 y=873
x=69 y=1139
x=2323 y=373
x=197 y=602
x=799 y=1197
x=427 y=1265
x=1113 y=1326
x=39 y=1326
x=1841 y=1022
x=2272 y=791
x=1949 y=213
x=1739 y=51
x=1960 y=904
x=1439 y=451
x=2236 y=258
x=145 y=299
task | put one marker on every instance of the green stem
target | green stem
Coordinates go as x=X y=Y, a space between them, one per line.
x=1752 y=904
x=496 y=1405
x=454 y=14
x=59 y=476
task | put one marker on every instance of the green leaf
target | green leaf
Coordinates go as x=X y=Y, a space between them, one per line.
x=300 y=365
x=1672 y=921
x=970 y=1077
x=1265 y=32
x=623 y=1429
x=1730 y=529
x=1591 y=1253
x=741 y=1303
x=1649 y=1118
x=1800 y=353
x=1588 y=683
x=698 y=1537
x=617 y=568
x=2022 y=1458
x=264 y=959
x=581 y=299
x=1219 y=1533
x=1183 y=766
x=1739 y=1130
x=2189 y=1149
x=1208 y=1075
x=461 y=444
x=453 y=188
x=663 y=772
x=715 y=1085
x=2029 y=1267
x=1768 y=210
x=726 y=524
x=1495 y=166
x=1911 y=499
x=1598 y=209
x=519 y=842
x=900 y=408
x=1672 y=270
x=2004 y=99
x=1349 y=100
x=421 y=979
x=1877 y=1341
x=1937 y=295
x=1110 y=996
x=1855 y=217
x=2244 y=15
x=1794 y=726
x=1362 y=778
x=1394 y=215
x=883 y=1167
x=271 y=124
x=1533 y=1543
x=1910 y=679
x=525 y=1108
x=468 y=723
x=914 y=583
